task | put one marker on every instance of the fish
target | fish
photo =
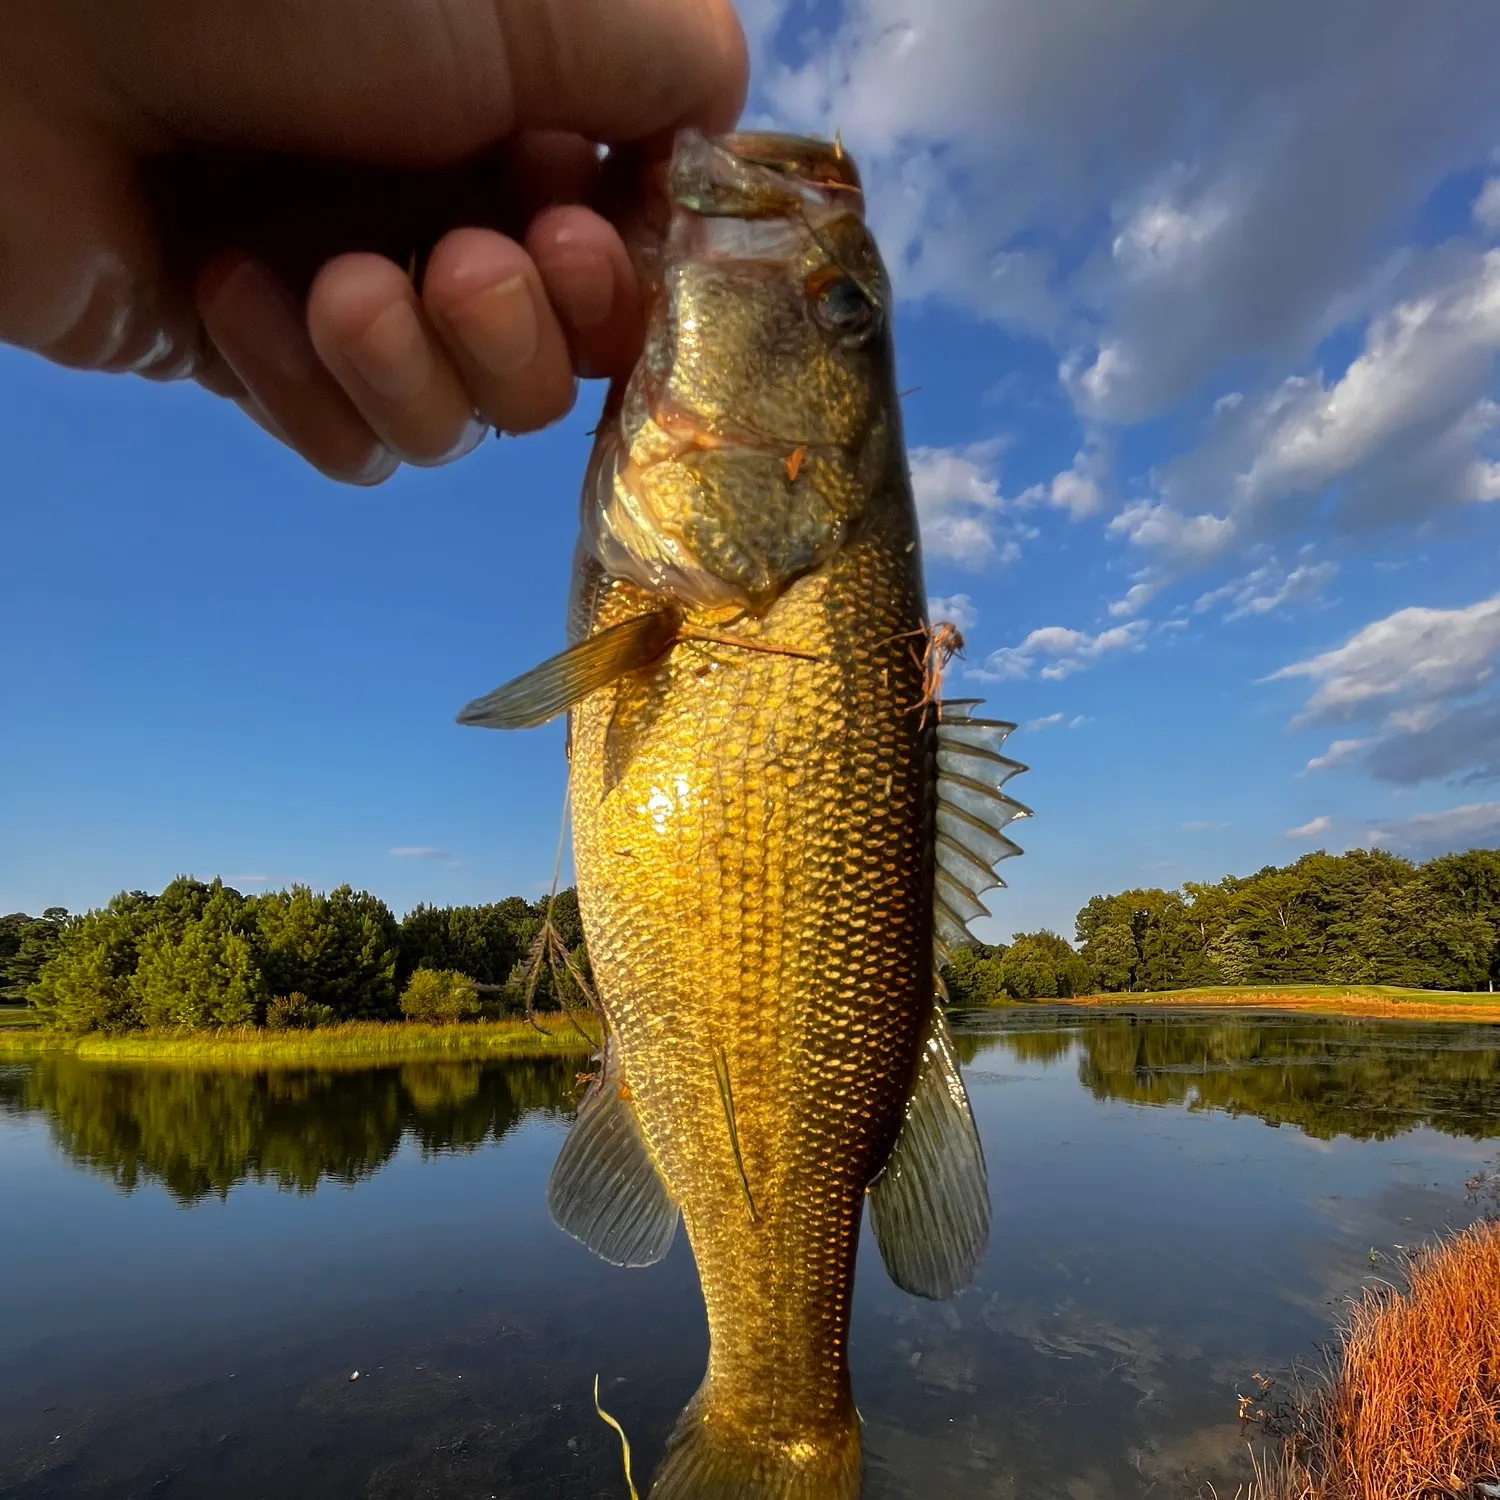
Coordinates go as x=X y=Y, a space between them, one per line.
x=780 y=827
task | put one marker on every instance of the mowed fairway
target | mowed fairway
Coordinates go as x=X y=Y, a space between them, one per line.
x=1376 y=1000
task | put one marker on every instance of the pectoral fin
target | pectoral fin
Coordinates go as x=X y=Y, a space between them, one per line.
x=605 y=1189
x=930 y=1207
x=568 y=678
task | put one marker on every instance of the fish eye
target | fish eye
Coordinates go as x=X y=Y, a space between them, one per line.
x=840 y=305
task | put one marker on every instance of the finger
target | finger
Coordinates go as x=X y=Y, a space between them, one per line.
x=487 y=302
x=81 y=274
x=622 y=72
x=421 y=84
x=546 y=167
x=589 y=280
x=369 y=329
x=260 y=331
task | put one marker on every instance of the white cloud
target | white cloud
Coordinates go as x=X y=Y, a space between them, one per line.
x=1487 y=205
x=1032 y=725
x=1314 y=828
x=1336 y=754
x=1413 y=656
x=959 y=504
x=1181 y=541
x=1079 y=720
x=1063 y=650
x=1454 y=828
x=958 y=609
x=245 y=879
x=1265 y=589
x=1135 y=598
x=418 y=851
x=1079 y=490
x=1405 y=431
x=1423 y=680
x=1249 y=161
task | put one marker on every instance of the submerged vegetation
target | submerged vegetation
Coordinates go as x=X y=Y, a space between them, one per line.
x=1409 y=1407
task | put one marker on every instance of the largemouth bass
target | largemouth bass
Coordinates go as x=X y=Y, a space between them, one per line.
x=778 y=832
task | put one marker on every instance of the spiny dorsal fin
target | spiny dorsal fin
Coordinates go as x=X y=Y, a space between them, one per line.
x=605 y=1189
x=930 y=1206
x=569 y=677
x=972 y=814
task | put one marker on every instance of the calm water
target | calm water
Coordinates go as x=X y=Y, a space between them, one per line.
x=193 y=1263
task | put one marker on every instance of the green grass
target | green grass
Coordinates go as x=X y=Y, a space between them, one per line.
x=353 y=1041
x=17 y=1015
x=1377 y=999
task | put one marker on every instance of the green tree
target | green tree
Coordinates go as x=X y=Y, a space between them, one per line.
x=973 y=976
x=338 y=949
x=86 y=984
x=439 y=995
x=202 y=973
x=26 y=944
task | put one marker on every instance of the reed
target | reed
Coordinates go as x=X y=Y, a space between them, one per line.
x=1409 y=1407
x=370 y=1041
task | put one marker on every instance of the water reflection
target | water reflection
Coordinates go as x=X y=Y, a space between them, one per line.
x=1328 y=1076
x=202 y=1131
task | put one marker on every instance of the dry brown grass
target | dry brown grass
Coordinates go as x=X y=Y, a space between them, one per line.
x=1410 y=1406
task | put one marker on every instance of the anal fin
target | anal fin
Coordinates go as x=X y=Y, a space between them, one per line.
x=605 y=1190
x=930 y=1206
x=568 y=678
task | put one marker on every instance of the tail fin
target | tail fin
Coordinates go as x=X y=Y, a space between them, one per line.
x=713 y=1458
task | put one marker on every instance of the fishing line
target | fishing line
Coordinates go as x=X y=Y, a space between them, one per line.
x=624 y=1441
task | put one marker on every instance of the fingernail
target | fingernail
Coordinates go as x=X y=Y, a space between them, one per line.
x=267 y=323
x=376 y=469
x=582 y=290
x=391 y=356
x=471 y=437
x=498 y=327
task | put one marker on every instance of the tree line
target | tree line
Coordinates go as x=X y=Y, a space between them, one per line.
x=1364 y=917
x=202 y=955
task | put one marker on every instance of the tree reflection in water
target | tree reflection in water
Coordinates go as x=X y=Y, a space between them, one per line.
x=203 y=1131
x=1369 y=1080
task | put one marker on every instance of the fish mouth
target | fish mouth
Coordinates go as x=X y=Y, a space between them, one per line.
x=756 y=175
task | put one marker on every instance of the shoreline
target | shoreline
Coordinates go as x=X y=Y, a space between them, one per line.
x=359 y=1042
x=1369 y=1001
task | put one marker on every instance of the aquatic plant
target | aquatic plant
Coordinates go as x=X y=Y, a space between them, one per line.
x=1409 y=1406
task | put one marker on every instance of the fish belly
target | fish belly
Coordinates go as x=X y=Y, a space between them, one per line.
x=752 y=837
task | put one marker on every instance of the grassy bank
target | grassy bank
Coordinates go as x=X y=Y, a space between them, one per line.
x=17 y=1016
x=1409 y=1406
x=354 y=1041
x=1378 y=1001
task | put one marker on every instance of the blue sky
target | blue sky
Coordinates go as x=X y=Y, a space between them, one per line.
x=1202 y=307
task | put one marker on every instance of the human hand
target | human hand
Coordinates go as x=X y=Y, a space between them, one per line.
x=234 y=190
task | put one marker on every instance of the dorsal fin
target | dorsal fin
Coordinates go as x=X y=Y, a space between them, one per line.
x=930 y=1206
x=605 y=1189
x=568 y=678
x=972 y=814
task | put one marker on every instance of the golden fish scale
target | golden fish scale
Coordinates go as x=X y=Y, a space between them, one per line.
x=758 y=882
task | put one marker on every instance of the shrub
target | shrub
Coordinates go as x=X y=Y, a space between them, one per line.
x=440 y=995
x=295 y=1012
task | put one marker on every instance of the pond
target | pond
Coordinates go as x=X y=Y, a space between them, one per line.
x=194 y=1263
